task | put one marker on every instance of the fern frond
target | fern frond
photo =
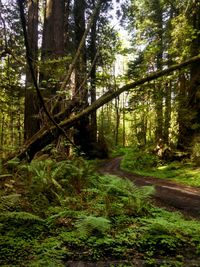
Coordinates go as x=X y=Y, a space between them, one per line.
x=86 y=225
x=20 y=217
x=9 y=201
x=13 y=162
x=59 y=170
x=147 y=191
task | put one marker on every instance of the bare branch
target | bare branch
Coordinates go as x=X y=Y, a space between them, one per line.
x=72 y=66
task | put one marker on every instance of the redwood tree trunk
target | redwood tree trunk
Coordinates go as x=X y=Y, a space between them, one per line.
x=168 y=92
x=183 y=116
x=93 y=51
x=189 y=127
x=158 y=93
x=31 y=120
x=52 y=47
x=81 y=129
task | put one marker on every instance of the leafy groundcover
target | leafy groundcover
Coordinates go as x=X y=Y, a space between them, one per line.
x=59 y=213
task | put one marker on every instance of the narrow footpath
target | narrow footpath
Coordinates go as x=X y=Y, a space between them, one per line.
x=171 y=195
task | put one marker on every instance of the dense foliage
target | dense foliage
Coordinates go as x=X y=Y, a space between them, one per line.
x=52 y=212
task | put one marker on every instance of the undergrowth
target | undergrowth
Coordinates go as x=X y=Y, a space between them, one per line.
x=60 y=211
x=145 y=163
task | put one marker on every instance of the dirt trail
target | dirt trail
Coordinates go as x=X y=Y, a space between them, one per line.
x=169 y=194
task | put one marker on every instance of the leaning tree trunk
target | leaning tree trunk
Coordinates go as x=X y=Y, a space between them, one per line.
x=46 y=136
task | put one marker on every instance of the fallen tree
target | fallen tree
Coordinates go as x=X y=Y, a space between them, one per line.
x=46 y=136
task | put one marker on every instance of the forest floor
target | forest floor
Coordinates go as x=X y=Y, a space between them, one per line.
x=171 y=195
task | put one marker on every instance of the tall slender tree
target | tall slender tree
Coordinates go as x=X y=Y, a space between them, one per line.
x=81 y=129
x=31 y=120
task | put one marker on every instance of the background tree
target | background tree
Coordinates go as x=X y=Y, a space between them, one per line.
x=12 y=71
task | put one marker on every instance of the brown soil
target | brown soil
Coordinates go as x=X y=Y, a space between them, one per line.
x=171 y=195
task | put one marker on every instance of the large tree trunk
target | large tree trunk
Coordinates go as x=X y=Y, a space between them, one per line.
x=168 y=92
x=158 y=91
x=46 y=136
x=93 y=52
x=189 y=126
x=53 y=33
x=81 y=129
x=194 y=87
x=52 y=48
x=183 y=114
x=31 y=120
x=67 y=25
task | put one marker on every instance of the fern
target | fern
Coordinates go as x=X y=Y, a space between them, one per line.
x=9 y=201
x=88 y=225
x=43 y=183
x=123 y=197
x=13 y=163
x=66 y=214
x=20 y=217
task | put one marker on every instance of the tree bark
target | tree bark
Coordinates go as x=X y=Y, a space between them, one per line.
x=52 y=48
x=31 y=120
x=53 y=33
x=158 y=89
x=81 y=129
x=93 y=52
x=183 y=114
x=189 y=126
x=194 y=86
x=168 y=92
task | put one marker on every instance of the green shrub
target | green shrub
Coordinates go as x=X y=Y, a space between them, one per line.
x=14 y=251
x=138 y=160
x=168 y=233
x=50 y=252
x=196 y=151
